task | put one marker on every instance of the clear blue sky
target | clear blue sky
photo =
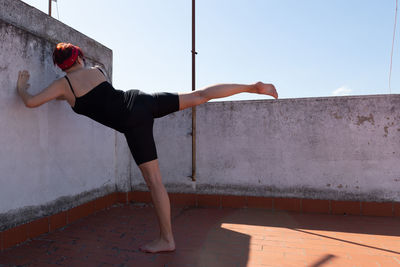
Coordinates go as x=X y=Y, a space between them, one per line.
x=306 y=48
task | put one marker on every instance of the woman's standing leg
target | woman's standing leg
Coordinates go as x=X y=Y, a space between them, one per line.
x=152 y=176
x=187 y=100
x=151 y=170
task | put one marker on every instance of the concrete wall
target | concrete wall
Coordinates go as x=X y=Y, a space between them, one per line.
x=50 y=158
x=342 y=148
x=173 y=139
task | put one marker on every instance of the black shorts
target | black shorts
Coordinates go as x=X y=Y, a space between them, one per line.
x=139 y=134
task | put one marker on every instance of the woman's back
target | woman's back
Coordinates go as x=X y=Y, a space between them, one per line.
x=91 y=95
x=82 y=81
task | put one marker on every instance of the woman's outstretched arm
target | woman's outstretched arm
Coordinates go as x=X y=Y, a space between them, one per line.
x=187 y=100
x=53 y=91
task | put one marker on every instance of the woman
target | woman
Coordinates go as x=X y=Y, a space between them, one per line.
x=132 y=113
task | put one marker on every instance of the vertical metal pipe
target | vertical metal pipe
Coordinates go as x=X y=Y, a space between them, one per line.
x=50 y=7
x=193 y=89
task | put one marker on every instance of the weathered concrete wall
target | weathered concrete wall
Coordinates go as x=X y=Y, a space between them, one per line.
x=173 y=139
x=50 y=158
x=345 y=148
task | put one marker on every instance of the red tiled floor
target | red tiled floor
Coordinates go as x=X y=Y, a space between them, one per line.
x=208 y=237
x=377 y=209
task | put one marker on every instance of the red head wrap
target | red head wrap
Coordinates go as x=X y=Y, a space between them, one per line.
x=66 y=64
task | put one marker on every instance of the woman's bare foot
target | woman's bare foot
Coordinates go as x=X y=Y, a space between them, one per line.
x=265 y=89
x=159 y=245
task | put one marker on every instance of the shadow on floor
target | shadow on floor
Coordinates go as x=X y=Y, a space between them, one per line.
x=211 y=237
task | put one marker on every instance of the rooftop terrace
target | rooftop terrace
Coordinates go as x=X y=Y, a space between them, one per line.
x=210 y=237
x=293 y=182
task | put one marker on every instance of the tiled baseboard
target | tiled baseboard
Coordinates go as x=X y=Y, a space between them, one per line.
x=386 y=209
x=21 y=233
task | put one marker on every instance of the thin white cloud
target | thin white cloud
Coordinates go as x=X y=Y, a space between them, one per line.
x=344 y=90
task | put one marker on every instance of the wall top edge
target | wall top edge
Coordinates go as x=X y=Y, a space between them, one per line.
x=305 y=99
x=30 y=19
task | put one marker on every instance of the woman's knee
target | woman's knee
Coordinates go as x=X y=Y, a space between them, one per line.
x=151 y=173
x=187 y=100
x=202 y=97
x=153 y=181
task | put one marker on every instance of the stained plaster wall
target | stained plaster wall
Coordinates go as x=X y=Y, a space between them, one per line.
x=342 y=148
x=51 y=159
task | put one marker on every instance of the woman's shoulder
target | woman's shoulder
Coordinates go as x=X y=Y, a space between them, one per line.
x=60 y=81
x=100 y=69
x=97 y=67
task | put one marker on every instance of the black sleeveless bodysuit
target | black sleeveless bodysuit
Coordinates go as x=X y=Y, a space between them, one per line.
x=131 y=112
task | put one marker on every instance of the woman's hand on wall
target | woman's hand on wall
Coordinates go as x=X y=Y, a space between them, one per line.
x=23 y=78
x=53 y=91
x=23 y=85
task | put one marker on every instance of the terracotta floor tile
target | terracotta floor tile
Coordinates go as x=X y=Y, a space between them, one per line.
x=216 y=237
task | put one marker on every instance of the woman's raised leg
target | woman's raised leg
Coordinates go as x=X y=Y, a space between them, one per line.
x=187 y=100
x=151 y=170
x=152 y=176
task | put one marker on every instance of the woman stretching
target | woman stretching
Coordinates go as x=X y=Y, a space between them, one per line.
x=131 y=113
